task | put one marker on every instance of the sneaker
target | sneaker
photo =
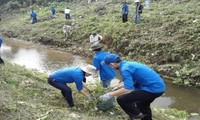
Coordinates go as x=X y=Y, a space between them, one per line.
x=137 y=117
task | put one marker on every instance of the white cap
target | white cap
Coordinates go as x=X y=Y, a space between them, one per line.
x=89 y=69
x=137 y=0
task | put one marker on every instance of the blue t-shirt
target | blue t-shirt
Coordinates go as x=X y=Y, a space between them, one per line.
x=1 y=41
x=125 y=9
x=53 y=10
x=70 y=75
x=137 y=76
x=33 y=14
x=106 y=72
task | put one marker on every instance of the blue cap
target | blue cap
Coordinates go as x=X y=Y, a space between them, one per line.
x=112 y=58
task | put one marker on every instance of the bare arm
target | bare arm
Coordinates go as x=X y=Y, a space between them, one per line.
x=120 y=92
x=100 y=36
x=86 y=87
x=83 y=93
x=120 y=85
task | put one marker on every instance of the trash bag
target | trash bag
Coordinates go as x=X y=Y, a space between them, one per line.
x=105 y=105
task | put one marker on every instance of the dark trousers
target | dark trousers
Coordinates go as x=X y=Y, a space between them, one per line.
x=137 y=102
x=124 y=18
x=34 y=20
x=65 y=90
x=67 y=16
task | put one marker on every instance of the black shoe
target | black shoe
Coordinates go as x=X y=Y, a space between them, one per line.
x=140 y=116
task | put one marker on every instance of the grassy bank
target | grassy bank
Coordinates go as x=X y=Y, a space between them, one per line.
x=26 y=95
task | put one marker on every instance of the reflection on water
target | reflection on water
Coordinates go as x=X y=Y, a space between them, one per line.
x=163 y=102
x=48 y=60
x=184 y=98
x=30 y=58
x=36 y=57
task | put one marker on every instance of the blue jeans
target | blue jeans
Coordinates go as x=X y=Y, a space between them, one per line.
x=137 y=19
x=105 y=83
x=65 y=90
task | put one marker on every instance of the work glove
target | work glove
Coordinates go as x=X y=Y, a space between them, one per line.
x=106 y=97
x=90 y=99
x=115 y=88
x=95 y=76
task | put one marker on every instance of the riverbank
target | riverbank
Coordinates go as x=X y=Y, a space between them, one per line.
x=167 y=39
x=26 y=95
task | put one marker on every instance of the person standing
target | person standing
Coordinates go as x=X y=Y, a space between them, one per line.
x=61 y=78
x=141 y=86
x=148 y=4
x=95 y=38
x=66 y=30
x=1 y=42
x=106 y=72
x=53 y=11
x=33 y=17
x=125 y=12
x=138 y=12
x=67 y=13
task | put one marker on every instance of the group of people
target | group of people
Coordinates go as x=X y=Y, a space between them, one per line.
x=66 y=28
x=33 y=14
x=138 y=11
x=139 y=87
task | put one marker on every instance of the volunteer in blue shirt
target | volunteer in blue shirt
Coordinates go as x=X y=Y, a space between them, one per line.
x=106 y=72
x=33 y=17
x=124 y=12
x=59 y=79
x=141 y=86
x=1 y=42
x=53 y=11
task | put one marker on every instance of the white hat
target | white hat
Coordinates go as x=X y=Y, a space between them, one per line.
x=137 y=0
x=89 y=69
